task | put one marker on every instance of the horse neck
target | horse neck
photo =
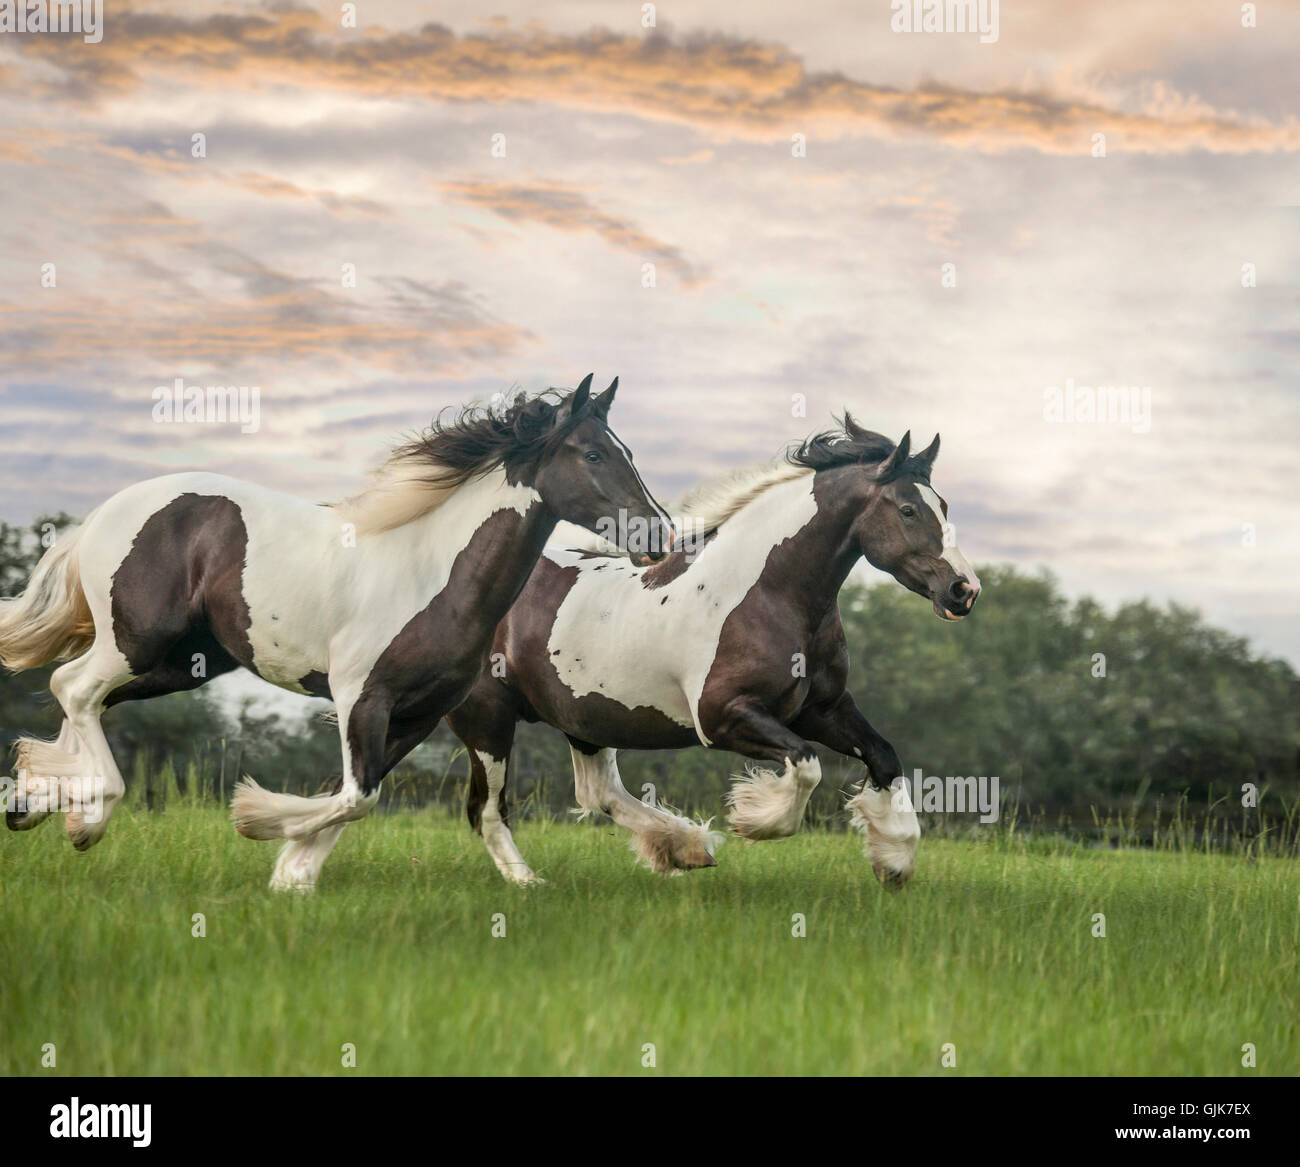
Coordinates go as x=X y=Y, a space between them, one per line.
x=500 y=565
x=811 y=553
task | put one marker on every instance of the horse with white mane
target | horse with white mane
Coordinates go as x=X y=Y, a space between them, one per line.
x=733 y=642
x=386 y=602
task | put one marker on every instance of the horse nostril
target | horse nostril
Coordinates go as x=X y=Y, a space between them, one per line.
x=961 y=591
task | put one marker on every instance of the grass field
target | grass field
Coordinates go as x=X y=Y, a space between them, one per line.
x=990 y=949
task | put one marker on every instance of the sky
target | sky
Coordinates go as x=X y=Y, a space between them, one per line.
x=919 y=227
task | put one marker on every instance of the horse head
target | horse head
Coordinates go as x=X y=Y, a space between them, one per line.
x=903 y=528
x=586 y=476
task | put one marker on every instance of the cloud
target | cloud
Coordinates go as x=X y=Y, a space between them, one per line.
x=818 y=280
x=249 y=311
x=268 y=186
x=565 y=208
x=723 y=85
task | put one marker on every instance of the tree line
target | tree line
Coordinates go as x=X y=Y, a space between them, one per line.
x=1088 y=717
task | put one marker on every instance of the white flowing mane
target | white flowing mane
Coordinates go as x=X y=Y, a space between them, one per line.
x=402 y=488
x=712 y=503
x=424 y=471
x=702 y=509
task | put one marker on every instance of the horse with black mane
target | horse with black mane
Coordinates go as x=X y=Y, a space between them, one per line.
x=733 y=642
x=386 y=602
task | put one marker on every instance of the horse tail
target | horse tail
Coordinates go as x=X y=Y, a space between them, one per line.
x=51 y=619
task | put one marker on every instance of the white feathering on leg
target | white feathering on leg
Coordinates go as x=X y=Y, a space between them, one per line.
x=672 y=843
x=768 y=805
x=889 y=827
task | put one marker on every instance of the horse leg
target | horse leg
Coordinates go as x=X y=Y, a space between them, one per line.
x=485 y=722
x=663 y=841
x=94 y=682
x=176 y=671
x=265 y=814
x=489 y=742
x=767 y=804
x=34 y=801
x=885 y=816
x=79 y=764
x=299 y=863
x=491 y=774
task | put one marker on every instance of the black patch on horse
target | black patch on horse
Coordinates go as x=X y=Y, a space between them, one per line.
x=316 y=683
x=184 y=574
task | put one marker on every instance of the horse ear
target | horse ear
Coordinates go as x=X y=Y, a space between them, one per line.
x=601 y=403
x=930 y=453
x=576 y=403
x=891 y=465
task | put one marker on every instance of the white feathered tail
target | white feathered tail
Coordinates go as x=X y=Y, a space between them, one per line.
x=51 y=619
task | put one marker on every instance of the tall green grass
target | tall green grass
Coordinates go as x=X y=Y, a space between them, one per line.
x=990 y=950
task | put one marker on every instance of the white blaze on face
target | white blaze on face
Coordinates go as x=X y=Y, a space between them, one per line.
x=663 y=515
x=953 y=556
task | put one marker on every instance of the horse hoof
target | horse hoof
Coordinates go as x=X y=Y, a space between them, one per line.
x=524 y=878
x=19 y=820
x=79 y=835
x=892 y=880
x=290 y=885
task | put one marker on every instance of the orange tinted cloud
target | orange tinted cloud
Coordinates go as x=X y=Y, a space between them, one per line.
x=565 y=208
x=250 y=312
x=268 y=186
x=721 y=84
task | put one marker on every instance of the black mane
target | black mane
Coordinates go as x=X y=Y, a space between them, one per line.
x=480 y=437
x=851 y=445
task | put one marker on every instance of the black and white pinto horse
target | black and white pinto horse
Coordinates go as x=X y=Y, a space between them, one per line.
x=386 y=602
x=732 y=642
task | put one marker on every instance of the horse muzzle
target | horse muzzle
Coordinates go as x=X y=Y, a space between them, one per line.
x=957 y=602
x=661 y=544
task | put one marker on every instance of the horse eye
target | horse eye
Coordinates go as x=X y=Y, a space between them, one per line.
x=907 y=510
x=592 y=455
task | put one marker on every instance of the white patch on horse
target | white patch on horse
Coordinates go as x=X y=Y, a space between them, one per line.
x=496 y=835
x=350 y=602
x=654 y=647
x=951 y=554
